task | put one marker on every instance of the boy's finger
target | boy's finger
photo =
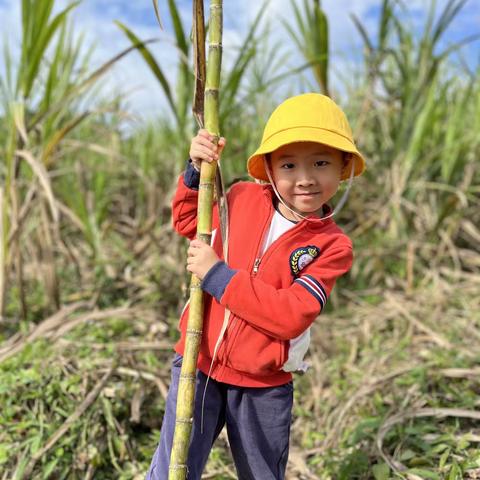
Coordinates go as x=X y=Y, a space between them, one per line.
x=206 y=134
x=203 y=153
x=196 y=242
x=205 y=142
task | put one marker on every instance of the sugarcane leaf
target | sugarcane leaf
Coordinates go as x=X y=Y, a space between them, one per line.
x=151 y=62
x=310 y=13
x=320 y=47
x=453 y=135
x=157 y=13
x=178 y=27
x=185 y=79
x=298 y=17
x=40 y=14
x=6 y=79
x=53 y=71
x=59 y=135
x=293 y=34
x=246 y=54
x=385 y=18
x=92 y=78
x=25 y=20
x=290 y=72
x=429 y=22
x=42 y=174
x=18 y=115
x=363 y=32
x=458 y=45
x=41 y=44
x=423 y=123
x=250 y=35
x=449 y=13
x=236 y=74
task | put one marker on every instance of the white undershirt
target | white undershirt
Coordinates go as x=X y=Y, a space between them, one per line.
x=278 y=226
x=299 y=345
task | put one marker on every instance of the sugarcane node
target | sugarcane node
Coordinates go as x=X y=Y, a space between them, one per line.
x=184 y=420
x=213 y=46
x=205 y=237
x=206 y=186
x=193 y=331
x=212 y=92
x=178 y=467
x=194 y=287
x=187 y=376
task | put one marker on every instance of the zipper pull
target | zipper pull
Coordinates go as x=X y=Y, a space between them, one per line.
x=256 y=265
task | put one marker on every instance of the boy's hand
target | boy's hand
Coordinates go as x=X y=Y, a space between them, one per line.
x=202 y=148
x=201 y=258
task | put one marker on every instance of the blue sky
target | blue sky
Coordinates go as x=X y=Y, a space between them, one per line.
x=95 y=18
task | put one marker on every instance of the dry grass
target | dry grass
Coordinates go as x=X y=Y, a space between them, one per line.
x=384 y=377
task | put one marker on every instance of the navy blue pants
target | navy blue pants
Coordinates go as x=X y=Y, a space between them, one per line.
x=257 y=421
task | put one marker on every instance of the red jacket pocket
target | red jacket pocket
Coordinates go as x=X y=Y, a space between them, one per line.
x=254 y=352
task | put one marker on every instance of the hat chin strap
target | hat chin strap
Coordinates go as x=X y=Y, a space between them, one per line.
x=335 y=210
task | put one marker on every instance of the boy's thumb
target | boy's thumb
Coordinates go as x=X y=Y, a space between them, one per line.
x=221 y=145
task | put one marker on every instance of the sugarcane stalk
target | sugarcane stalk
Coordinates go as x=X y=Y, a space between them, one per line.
x=186 y=386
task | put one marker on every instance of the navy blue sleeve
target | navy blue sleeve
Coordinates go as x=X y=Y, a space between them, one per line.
x=191 y=177
x=217 y=279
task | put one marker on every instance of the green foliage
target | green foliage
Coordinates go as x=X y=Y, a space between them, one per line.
x=233 y=98
x=311 y=38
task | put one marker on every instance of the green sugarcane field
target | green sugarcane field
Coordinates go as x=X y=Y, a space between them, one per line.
x=93 y=275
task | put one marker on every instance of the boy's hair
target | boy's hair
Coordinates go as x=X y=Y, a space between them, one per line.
x=310 y=117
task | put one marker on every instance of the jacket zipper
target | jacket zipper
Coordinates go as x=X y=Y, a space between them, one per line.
x=256 y=263
x=258 y=260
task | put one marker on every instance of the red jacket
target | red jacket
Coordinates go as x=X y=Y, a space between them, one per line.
x=270 y=304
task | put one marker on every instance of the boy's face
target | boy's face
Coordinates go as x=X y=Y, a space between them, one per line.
x=307 y=175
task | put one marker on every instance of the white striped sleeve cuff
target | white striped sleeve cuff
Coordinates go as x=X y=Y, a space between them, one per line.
x=314 y=287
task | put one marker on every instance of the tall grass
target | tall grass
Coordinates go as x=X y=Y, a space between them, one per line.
x=418 y=118
x=46 y=96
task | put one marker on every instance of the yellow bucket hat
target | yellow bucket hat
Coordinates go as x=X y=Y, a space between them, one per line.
x=310 y=117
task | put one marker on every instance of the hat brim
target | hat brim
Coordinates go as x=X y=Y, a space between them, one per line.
x=255 y=164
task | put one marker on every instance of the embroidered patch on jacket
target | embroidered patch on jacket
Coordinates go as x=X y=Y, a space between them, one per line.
x=314 y=287
x=301 y=257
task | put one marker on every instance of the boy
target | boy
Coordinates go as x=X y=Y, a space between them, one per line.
x=285 y=254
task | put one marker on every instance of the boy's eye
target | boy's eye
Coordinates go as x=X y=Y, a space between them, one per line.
x=287 y=165
x=321 y=163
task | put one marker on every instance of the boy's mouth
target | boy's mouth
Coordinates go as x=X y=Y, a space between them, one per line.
x=307 y=194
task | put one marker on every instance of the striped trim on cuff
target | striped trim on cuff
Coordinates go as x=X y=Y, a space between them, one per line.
x=314 y=287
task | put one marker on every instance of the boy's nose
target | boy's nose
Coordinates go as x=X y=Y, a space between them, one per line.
x=305 y=179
